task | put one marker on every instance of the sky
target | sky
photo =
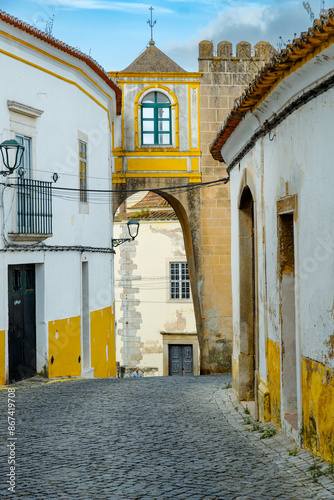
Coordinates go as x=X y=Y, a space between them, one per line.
x=115 y=33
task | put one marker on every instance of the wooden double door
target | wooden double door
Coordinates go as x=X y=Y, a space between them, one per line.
x=181 y=360
x=22 y=322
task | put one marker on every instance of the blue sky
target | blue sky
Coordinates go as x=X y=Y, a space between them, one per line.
x=115 y=33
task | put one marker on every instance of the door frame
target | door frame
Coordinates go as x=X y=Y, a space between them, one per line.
x=180 y=339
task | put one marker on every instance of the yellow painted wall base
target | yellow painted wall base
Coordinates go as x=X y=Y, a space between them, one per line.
x=2 y=357
x=103 y=354
x=65 y=347
x=274 y=381
x=318 y=408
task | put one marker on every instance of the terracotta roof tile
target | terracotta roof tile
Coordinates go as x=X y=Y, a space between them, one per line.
x=150 y=200
x=308 y=44
x=153 y=60
x=157 y=215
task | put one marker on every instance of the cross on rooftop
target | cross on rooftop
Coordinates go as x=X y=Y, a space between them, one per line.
x=151 y=23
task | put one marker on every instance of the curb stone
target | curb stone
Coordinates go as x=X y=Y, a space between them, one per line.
x=323 y=489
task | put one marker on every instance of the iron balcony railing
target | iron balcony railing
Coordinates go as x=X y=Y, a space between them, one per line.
x=34 y=207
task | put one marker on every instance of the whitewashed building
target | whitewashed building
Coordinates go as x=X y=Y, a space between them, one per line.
x=277 y=142
x=56 y=262
x=156 y=328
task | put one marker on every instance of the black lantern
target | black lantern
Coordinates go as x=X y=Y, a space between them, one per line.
x=133 y=228
x=12 y=153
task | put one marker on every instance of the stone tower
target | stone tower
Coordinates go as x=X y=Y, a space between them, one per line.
x=223 y=79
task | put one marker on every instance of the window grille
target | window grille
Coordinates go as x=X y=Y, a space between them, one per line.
x=34 y=206
x=179 y=280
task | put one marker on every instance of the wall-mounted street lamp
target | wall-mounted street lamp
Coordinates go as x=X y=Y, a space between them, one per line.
x=12 y=153
x=133 y=228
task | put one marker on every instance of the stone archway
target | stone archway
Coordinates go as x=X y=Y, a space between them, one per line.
x=186 y=204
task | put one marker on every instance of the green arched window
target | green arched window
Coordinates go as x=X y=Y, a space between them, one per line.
x=156 y=124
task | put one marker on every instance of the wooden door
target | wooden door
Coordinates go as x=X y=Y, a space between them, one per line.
x=22 y=322
x=181 y=360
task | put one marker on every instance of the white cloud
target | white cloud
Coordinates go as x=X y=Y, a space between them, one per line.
x=252 y=22
x=101 y=5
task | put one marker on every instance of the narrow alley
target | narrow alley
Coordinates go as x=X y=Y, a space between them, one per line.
x=151 y=438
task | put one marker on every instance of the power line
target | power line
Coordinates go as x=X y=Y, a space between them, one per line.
x=186 y=187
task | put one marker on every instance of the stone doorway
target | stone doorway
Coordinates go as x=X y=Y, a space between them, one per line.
x=248 y=343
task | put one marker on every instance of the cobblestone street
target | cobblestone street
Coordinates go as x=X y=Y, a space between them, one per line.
x=151 y=438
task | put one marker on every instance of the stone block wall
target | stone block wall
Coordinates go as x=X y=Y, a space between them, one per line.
x=224 y=77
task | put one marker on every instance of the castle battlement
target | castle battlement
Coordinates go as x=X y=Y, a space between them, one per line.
x=243 y=51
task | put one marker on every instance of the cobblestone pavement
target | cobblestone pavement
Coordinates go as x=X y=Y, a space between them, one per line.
x=149 y=439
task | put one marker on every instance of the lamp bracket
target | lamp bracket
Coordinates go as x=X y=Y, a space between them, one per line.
x=119 y=241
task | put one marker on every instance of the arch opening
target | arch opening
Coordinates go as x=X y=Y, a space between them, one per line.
x=170 y=270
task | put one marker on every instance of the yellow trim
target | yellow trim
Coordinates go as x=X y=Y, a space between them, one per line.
x=71 y=82
x=120 y=178
x=123 y=124
x=112 y=136
x=155 y=153
x=152 y=74
x=195 y=164
x=198 y=118
x=160 y=82
x=72 y=66
x=175 y=104
x=156 y=165
x=118 y=164
x=63 y=380
x=189 y=115
x=196 y=87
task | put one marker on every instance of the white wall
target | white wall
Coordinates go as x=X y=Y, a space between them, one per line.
x=298 y=161
x=76 y=103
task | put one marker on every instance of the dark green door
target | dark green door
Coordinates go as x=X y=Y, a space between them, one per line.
x=181 y=360
x=22 y=322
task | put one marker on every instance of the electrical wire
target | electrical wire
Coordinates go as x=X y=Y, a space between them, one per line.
x=185 y=187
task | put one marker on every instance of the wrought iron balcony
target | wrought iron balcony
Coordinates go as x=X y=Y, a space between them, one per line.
x=34 y=208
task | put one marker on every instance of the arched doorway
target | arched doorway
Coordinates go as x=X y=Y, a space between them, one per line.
x=248 y=342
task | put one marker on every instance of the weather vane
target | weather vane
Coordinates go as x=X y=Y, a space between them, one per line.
x=151 y=23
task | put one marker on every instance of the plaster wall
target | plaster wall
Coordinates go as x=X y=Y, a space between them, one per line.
x=143 y=306
x=291 y=167
x=72 y=103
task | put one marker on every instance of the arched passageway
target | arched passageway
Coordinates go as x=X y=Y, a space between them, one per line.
x=248 y=343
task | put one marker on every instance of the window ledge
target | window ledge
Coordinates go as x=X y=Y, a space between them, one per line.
x=177 y=301
x=28 y=237
x=157 y=146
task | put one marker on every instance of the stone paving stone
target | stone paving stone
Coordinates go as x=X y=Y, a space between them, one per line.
x=156 y=438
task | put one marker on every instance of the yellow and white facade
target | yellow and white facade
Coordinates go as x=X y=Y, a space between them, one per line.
x=55 y=99
x=153 y=72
